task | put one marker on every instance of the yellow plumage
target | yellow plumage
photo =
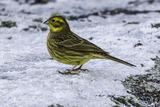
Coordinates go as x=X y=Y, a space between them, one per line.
x=66 y=47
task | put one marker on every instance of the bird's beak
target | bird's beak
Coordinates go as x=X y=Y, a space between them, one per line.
x=46 y=22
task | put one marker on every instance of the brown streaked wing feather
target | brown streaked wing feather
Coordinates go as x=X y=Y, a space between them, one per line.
x=71 y=42
x=77 y=43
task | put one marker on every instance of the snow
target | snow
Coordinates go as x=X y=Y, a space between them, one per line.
x=28 y=77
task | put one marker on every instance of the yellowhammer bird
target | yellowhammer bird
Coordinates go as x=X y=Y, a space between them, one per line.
x=66 y=47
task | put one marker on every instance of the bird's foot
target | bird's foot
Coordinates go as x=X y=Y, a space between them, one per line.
x=68 y=73
x=80 y=69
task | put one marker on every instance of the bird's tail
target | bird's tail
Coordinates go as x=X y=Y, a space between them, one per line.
x=107 y=56
x=119 y=60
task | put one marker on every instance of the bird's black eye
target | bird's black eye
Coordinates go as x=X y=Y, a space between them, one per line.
x=53 y=20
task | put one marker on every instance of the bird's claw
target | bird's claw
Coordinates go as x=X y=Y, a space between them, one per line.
x=80 y=69
x=68 y=73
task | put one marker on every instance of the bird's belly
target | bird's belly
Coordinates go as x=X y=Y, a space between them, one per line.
x=68 y=57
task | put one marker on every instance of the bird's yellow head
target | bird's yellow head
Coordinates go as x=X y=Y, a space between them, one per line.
x=57 y=24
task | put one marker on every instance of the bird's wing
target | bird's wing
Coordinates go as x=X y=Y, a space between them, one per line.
x=77 y=43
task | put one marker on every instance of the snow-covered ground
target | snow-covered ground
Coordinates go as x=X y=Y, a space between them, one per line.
x=29 y=78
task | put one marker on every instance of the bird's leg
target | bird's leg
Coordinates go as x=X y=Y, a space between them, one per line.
x=79 y=68
x=69 y=72
x=72 y=68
